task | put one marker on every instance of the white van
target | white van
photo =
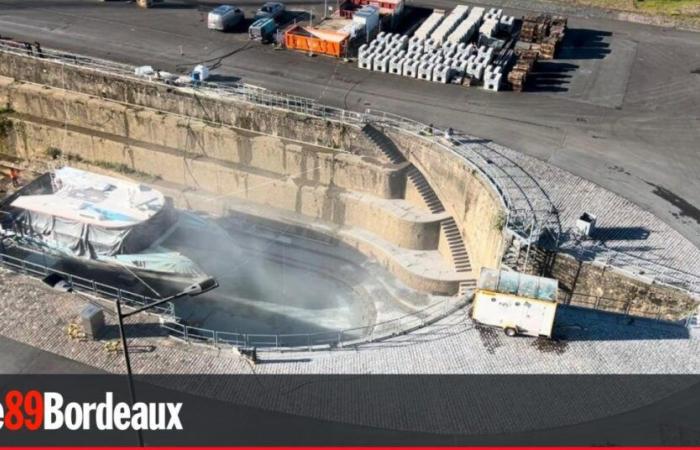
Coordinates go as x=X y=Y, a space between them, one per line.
x=224 y=17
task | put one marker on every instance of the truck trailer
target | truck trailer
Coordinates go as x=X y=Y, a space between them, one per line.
x=515 y=302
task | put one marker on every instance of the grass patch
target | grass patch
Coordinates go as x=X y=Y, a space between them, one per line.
x=53 y=152
x=679 y=12
x=5 y=127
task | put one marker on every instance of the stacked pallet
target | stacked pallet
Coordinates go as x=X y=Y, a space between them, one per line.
x=549 y=45
x=545 y=32
x=518 y=75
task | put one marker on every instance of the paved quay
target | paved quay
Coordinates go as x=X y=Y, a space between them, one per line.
x=619 y=107
x=591 y=342
x=34 y=320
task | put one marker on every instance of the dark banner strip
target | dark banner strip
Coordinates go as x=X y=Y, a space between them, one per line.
x=200 y=410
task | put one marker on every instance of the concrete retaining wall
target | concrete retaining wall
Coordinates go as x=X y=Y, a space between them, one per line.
x=190 y=104
x=593 y=285
x=195 y=138
x=267 y=188
x=472 y=203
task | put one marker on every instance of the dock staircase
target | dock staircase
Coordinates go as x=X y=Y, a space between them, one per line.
x=426 y=192
x=457 y=248
x=385 y=145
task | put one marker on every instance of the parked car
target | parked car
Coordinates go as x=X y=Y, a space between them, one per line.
x=224 y=17
x=273 y=10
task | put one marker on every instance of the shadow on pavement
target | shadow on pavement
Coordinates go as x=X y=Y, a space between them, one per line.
x=580 y=324
x=582 y=43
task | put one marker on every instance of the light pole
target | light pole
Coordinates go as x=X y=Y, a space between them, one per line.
x=192 y=291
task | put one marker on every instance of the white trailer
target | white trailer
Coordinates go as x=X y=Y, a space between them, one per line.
x=515 y=302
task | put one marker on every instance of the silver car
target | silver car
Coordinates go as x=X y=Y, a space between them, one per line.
x=224 y=18
x=272 y=10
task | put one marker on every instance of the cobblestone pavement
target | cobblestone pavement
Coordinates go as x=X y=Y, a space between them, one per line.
x=591 y=342
x=625 y=235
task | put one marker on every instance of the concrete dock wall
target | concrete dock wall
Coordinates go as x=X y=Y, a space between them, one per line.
x=474 y=205
x=188 y=103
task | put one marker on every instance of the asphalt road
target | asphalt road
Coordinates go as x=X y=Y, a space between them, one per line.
x=621 y=107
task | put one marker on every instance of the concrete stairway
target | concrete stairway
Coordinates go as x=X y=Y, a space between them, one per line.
x=389 y=149
x=426 y=192
x=458 y=251
x=466 y=286
x=384 y=144
x=460 y=257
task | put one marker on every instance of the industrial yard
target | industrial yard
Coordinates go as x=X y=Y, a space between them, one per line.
x=396 y=176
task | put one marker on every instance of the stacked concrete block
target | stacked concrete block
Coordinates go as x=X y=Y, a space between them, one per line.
x=489 y=28
x=396 y=64
x=413 y=54
x=364 y=48
x=410 y=68
x=506 y=23
x=449 y=49
x=376 y=47
x=365 y=57
x=485 y=54
x=475 y=67
x=441 y=73
x=425 y=70
x=443 y=54
x=493 y=14
x=436 y=59
x=381 y=63
x=459 y=68
x=366 y=61
x=465 y=30
x=416 y=43
x=430 y=24
x=492 y=77
x=448 y=25
x=430 y=44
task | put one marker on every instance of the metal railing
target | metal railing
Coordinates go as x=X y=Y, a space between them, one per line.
x=177 y=328
x=635 y=266
x=320 y=340
x=522 y=221
x=77 y=282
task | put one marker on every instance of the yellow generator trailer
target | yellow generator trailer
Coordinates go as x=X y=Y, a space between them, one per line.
x=516 y=302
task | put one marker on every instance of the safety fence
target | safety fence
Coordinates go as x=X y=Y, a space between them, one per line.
x=527 y=222
x=79 y=283
x=178 y=329
x=321 y=340
x=635 y=266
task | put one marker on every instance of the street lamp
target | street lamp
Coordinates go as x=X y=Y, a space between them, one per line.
x=193 y=290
